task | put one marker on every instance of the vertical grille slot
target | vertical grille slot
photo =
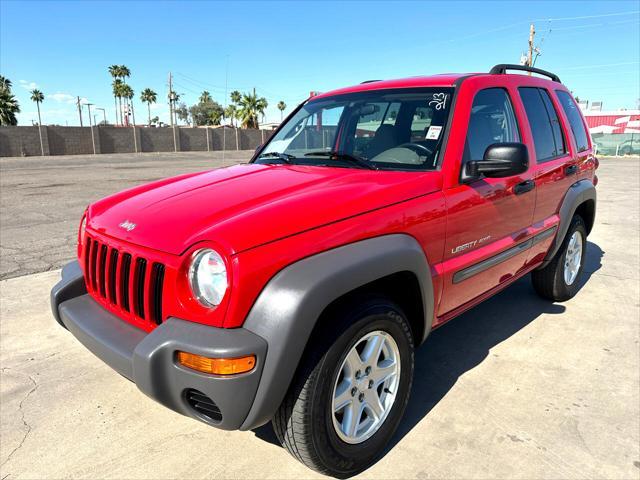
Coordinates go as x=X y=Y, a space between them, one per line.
x=102 y=267
x=141 y=268
x=87 y=256
x=157 y=280
x=94 y=257
x=124 y=284
x=113 y=265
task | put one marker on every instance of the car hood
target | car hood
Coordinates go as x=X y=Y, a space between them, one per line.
x=243 y=206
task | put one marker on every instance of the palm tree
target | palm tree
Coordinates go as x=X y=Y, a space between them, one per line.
x=250 y=107
x=148 y=96
x=236 y=96
x=114 y=71
x=281 y=107
x=124 y=72
x=231 y=113
x=127 y=94
x=38 y=97
x=9 y=106
x=5 y=83
x=205 y=97
x=117 y=94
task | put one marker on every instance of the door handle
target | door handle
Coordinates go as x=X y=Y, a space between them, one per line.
x=571 y=169
x=524 y=187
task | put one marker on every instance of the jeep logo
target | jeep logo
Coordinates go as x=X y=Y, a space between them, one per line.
x=127 y=225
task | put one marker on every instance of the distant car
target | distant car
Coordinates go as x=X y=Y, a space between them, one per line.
x=629 y=147
x=296 y=288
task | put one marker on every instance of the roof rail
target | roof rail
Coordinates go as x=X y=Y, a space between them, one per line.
x=503 y=67
x=370 y=81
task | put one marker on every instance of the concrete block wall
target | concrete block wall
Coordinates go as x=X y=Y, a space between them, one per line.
x=25 y=141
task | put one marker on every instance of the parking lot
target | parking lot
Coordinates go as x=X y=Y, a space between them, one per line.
x=42 y=198
x=515 y=388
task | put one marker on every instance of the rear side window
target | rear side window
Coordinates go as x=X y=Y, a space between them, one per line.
x=575 y=120
x=492 y=121
x=544 y=123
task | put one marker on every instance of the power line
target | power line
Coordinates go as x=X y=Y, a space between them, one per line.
x=582 y=17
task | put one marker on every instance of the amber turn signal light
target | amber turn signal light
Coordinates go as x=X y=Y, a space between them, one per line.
x=217 y=366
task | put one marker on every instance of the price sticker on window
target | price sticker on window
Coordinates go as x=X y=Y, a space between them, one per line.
x=433 y=133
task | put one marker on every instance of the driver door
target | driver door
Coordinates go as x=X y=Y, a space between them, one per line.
x=486 y=218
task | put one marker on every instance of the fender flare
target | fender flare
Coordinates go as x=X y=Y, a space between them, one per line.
x=289 y=306
x=577 y=194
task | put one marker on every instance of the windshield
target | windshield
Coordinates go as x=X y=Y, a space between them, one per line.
x=398 y=129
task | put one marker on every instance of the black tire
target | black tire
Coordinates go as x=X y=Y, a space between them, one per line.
x=549 y=282
x=304 y=421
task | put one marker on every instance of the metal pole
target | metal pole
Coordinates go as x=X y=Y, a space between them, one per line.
x=40 y=129
x=207 y=132
x=135 y=140
x=532 y=32
x=93 y=140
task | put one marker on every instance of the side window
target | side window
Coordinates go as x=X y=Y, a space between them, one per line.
x=558 y=138
x=544 y=123
x=492 y=120
x=575 y=120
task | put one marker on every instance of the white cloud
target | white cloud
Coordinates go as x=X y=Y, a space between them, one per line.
x=28 y=85
x=62 y=97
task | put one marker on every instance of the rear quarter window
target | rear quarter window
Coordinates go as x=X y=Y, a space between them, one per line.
x=575 y=120
x=545 y=125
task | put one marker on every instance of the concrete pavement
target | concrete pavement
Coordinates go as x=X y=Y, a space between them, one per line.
x=42 y=198
x=515 y=388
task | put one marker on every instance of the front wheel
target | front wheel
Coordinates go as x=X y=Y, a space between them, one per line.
x=559 y=280
x=351 y=391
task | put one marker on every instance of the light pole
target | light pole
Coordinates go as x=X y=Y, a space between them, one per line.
x=104 y=114
x=93 y=140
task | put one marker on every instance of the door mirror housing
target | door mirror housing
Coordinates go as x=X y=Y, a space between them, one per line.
x=500 y=160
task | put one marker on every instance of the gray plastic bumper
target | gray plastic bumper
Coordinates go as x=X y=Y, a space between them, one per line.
x=149 y=359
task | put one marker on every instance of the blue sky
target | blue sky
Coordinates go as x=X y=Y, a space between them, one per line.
x=286 y=49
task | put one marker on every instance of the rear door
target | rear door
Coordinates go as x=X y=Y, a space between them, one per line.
x=554 y=168
x=489 y=218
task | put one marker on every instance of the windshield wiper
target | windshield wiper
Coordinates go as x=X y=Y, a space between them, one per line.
x=285 y=157
x=343 y=156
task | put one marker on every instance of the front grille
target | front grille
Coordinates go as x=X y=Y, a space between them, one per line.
x=203 y=404
x=123 y=280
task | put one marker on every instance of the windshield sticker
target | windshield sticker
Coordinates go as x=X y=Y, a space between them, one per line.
x=439 y=101
x=433 y=133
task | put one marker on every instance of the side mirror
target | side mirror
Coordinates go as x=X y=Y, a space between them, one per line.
x=500 y=160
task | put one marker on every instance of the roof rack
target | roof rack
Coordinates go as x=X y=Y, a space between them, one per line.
x=370 y=81
x=503 y=67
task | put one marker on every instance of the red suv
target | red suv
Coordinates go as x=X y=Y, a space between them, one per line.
x=295 y=288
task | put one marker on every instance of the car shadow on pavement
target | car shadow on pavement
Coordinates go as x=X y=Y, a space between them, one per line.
x=465 y=342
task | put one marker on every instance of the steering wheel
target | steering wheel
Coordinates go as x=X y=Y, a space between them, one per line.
x=416 y=147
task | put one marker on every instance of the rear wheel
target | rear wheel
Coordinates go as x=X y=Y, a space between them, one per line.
x=350 y=391
x=559 y=280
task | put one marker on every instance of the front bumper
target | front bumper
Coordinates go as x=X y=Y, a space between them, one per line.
x=149 y=359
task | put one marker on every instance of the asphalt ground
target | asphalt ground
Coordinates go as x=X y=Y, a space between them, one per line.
x=42 y=198
x=517 y=387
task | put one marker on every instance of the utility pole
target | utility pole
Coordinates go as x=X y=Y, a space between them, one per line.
x=173 y=125
x=532 y=33
x=170 y=99
x=79 y=109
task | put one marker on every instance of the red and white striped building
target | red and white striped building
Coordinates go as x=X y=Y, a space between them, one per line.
x=625 y=121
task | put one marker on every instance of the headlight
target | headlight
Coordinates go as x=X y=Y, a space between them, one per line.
x=208 y=277
x=83 y=227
